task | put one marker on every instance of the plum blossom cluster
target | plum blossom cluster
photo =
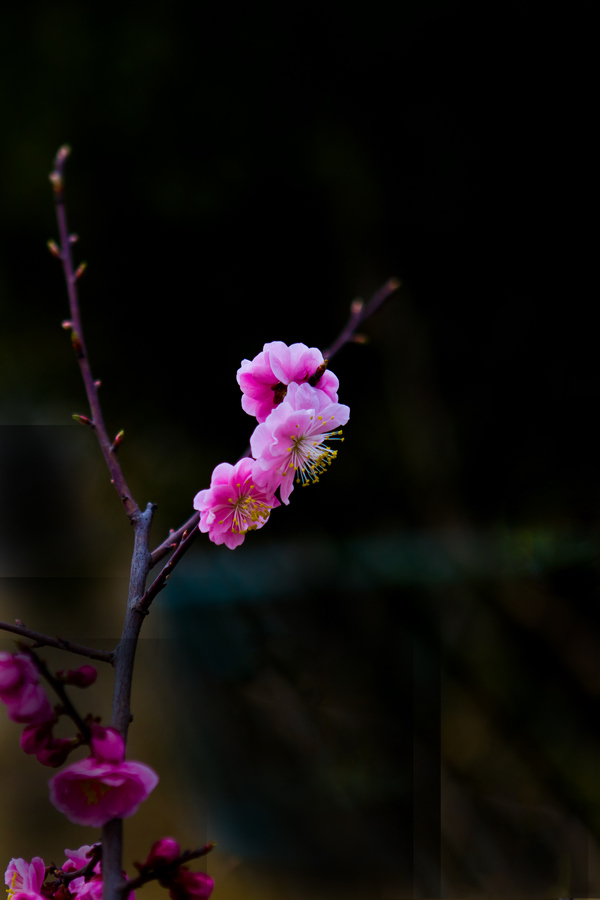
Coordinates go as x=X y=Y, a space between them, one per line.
x=293 y=396
x=164 y=864
x=93 y=790
x=27 y=703
x=80 y=876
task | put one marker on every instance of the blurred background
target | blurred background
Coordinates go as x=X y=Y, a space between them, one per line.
x=392 y=690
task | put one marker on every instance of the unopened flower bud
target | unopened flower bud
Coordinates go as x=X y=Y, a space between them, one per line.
x=56 y=752
x=80 y=270
x=81 y=677
x=190 y=885
x=53 y=248
x=36 y=737
x=162 y=852
x=107 y=745
x=82 y=420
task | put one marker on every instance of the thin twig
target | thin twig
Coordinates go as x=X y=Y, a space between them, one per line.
x=77 y=339
x=45 y=640
x=161 y=579
x=87 y=871
x=359 y=313
x=166 y=870
x=170 y=543
x=59 y=688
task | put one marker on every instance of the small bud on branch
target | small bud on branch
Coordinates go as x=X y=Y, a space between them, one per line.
x=53 y=248
x=80 y=270
x=82 y=420
x=117 y=441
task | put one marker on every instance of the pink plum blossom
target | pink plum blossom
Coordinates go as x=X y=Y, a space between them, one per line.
x=293 y=441
x=77 y=859
x=233 y=505
x=79 y=887
x=91 y=792
x=25 y=878
x=264 y=379
x=188 y=885
x=30 y=706
x=25 y=699
x=16 y=671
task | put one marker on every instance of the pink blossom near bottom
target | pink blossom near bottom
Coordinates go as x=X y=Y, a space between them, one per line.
x=233 y=504
x=90 y=792
x=25 y=878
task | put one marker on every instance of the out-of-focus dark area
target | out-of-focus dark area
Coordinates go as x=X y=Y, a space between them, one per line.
x=392 y=690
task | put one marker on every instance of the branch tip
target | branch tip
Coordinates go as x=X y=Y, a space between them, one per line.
x=356 y=306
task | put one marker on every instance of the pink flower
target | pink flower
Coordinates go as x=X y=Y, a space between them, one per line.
x=77 y=859
x=25 y=878
x=29 y=706
x=264 y=379
x=162 y=852
x=107 y=745
x=233 y=505
x=190 y=885
x=25 y=700
x=293 y=440
x=90 y=792
x=16 y=672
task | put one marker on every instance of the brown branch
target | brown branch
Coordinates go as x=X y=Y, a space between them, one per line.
x=173 y=540
x=161 y=579
x=359 y=313
x=59 y=689
x=45 y=640
x=77 y=339
x=165 y=871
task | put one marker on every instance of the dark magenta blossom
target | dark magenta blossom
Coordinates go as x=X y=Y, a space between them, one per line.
x=293 y=441
x=162 y=852
x=264 y=380
x=90 y=792
x=25 y=699
x=233 y=505
x=186 y=885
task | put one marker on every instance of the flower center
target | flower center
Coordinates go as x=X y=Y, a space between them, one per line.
x=248 y=513
x=310 y=455
x=94 y=790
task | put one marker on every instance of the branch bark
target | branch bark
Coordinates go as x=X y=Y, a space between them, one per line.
x=46 y=640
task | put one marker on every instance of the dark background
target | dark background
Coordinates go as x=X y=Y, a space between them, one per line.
x=393 y=688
